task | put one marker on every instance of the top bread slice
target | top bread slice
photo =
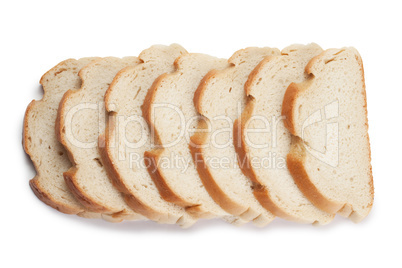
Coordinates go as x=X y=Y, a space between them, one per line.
x=219 y=97
x=330 y=156
x=128 y=136
x=169 y=110
x=263 y=142
x=40 y=143
x=80 y=117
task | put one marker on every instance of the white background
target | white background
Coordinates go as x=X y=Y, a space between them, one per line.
x=36 y=35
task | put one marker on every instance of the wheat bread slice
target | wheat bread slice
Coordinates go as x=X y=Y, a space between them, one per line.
x=170 y=113
x=40 y=143
x=128 y=136
x=80 y=118
x=263 y=142
x=330 y=155
x=220 y=98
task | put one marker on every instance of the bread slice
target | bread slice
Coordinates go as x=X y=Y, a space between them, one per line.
x=80 y=117
x=169 y=111
x=219 y=98
x=48 y=155
x=263 y=142
x=128 y=136
x=330 y=156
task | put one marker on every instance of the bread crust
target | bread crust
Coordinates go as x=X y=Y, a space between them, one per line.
x=60 y=118
x=165 y=191
x=296 y=157
x=70 y=179
x=46 y=198
x=295 y=163
x=199 y=93
x=288 y=102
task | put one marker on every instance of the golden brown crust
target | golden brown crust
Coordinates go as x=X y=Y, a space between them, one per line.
x=287 y=107
x=48 y=200
x=79 y=194
x=254 y=73
x=25 y=138
x=59 y=119
x=359 y=59
x=113 y=84
x=239 y=145
x=167 y=193
x=147 y=107
x=211 y=186
x=199 y=93
x=140 y=208
x=295 y=162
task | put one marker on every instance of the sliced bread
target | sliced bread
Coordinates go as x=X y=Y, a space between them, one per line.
x=40 y=143
x=263 y=142
x=128 y=136
x=330 y=156
x=219 y=98
x=169 y=110
x=80 y=118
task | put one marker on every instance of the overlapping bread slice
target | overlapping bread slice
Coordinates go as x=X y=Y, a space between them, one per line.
x=330 y=156
x=40 y=143
x=263 y=142
x=170 y=112
x=220 y=98
x=128 y=136
x=81 y=116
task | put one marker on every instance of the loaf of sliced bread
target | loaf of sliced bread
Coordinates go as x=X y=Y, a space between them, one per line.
x=330 y=156
x=220 y=98
x=81 y=116
x=40 y=143
x=169 y=111
x=176 y=137
x=128 y=136
x=263 y=142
